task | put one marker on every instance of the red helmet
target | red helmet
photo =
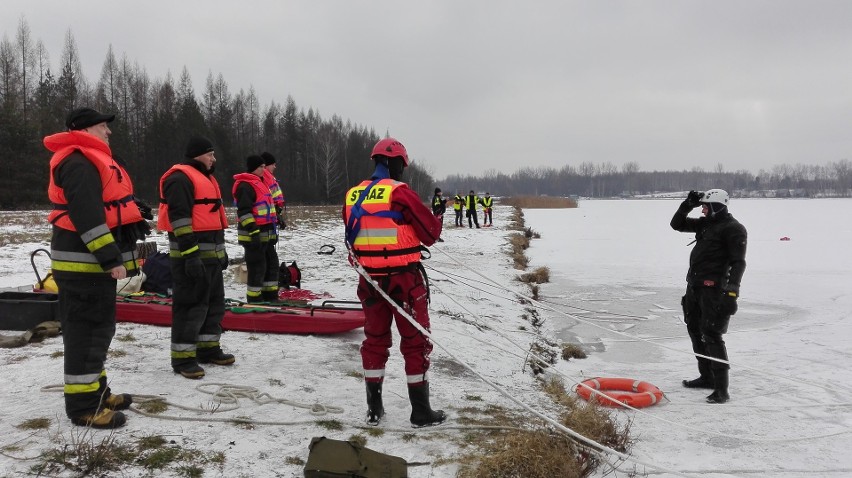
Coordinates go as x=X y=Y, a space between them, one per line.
x=391 y=148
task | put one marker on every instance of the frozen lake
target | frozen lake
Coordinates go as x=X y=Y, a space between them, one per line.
x=617 y=275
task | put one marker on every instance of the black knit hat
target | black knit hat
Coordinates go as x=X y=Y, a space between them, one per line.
x=82 y=118
x=253 y=162
x=267 y=158
x=198 y=145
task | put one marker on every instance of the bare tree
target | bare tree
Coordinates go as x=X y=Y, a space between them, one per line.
x=27 y=60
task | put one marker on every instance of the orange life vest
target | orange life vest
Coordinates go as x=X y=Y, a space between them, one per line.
x=117 y=194
x=381 y=244
x=263 y=209
x=274 y=189
x=208 y=213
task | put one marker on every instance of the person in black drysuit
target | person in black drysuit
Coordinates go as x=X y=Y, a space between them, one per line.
x=439 y=206
x=716 y=267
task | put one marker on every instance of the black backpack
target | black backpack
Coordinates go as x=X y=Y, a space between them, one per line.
x=158 y=274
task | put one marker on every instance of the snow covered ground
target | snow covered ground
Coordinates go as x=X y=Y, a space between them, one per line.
x=616 y=279
x=306 y=370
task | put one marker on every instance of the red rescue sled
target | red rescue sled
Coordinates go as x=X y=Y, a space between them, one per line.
x=332 y=317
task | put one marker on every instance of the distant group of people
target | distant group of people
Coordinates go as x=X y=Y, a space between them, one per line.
x=97 y=220
x=468 y=203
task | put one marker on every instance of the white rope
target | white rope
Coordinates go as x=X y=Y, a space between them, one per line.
x=598 y=448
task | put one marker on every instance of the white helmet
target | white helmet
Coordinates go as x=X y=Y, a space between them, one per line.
x=719 y=196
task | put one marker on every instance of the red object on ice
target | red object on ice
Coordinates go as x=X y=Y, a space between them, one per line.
x=301 y=294
x=785 y=238
x=332 y=317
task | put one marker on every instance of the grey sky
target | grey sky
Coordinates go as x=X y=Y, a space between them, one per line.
x=470 y=86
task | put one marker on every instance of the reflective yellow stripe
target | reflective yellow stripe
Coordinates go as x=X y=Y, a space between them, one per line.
x=180 y=355
x=374 y=241
x=76 y=267
x=190 y=250
x=182 y=231
x=100 y=242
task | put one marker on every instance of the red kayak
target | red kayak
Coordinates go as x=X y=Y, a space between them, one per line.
x=332 y=317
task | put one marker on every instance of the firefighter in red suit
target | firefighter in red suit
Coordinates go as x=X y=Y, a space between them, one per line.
x=386 y=226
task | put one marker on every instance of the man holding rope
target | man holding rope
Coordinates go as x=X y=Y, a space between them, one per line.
x=386 y=223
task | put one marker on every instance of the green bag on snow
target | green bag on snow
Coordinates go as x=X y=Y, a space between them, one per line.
x=335 y=458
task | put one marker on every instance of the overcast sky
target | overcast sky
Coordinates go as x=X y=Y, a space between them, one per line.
x=470 y=86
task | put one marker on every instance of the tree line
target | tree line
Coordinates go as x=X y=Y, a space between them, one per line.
x=606 y=180
x=318 y=158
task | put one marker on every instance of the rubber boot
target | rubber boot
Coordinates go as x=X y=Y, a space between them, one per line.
x=105 y=419
x=215 y=355
x=720 y=392
x=705 y=378
x=422 y=414
x=375 y=409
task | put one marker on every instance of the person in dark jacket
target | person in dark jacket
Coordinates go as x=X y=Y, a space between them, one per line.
x=439 y=207
x=386 y=223
x=192 y=212
x=470 y=202
x=256 y=231
x=716 y=267
x=96 y=223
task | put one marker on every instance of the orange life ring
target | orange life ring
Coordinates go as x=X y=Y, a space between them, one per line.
x=635 y=393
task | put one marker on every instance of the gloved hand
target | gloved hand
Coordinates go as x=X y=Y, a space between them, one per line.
x=729 y=302
x=281 y=223
x=223 y=261
x=194 y=267
x=693 y=199
x=144 y=209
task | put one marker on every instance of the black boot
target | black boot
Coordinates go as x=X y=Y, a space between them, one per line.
x=705 y=376
x=422 y=414
x=720 y=392
x=700 y=382
x=375 y=409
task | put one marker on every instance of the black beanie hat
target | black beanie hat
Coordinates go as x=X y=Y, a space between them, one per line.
x=197 y=146
x=253 y=162
x=267 y=158
x=82 y=118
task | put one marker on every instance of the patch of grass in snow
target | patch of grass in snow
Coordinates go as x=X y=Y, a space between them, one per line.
x=294 y=460
x=539 y=276
x=34 y=424
x=113 y=353
x=539 y=202
x=375 y=432
x=330 y=424
x=359 y=440
x=570 y=351
x=542 y=452
x=275 y=382
x=355 y=374
x=153 y=406
x=57 y=354
x=126 y=338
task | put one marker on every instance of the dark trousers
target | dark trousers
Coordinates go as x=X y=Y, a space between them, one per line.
x=198 y=306
x=706 y=325
x=472 y=218
x=408 y=290
x=262 y=264
x=459 y=219
x=87 y=315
